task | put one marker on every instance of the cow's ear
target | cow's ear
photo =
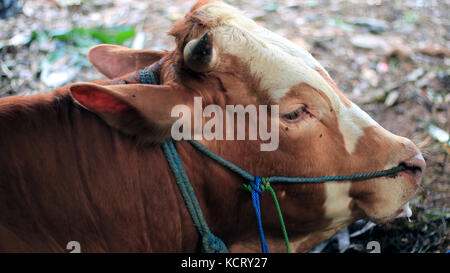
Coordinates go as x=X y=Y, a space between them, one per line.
x=114 y=61
x=135 y=109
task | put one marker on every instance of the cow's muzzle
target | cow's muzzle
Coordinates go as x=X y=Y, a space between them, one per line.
x=415 y=166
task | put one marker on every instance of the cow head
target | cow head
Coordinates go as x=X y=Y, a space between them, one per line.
x=228 y=59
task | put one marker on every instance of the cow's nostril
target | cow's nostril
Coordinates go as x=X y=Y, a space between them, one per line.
x=416 y=164
x=413 y=169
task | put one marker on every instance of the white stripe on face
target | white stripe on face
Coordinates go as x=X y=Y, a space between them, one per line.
x=278 y=64
x=274 y=60
x=337 y=203
x=352 y=121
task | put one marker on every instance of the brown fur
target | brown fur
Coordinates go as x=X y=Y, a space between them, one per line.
x=60 y=183
x=67 y=176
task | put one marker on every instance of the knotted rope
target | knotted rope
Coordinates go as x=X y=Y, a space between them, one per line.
x=257 y=185
x=258 y=188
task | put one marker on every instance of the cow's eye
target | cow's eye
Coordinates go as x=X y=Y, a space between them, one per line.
x=296 y=115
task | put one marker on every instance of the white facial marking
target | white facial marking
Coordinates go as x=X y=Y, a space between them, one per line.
x=352 y=121
x=276 y=61
x=279 y=64
x=337 y=203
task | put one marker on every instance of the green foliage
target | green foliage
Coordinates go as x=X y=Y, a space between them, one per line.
x=86 y=37
x=69 y=54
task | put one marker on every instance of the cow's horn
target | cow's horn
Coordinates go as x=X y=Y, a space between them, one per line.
x=199 y=54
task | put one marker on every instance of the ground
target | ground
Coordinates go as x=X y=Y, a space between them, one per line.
x=390 y=57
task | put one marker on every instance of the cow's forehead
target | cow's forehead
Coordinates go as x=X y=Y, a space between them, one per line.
x=275 y=61
x=279 y=65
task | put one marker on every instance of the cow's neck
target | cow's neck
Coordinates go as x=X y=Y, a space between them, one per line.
x=70 y=177
x=228 y=208
x=113 y=185
x=94 y=162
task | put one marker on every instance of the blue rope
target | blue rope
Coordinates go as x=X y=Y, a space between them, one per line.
x=256 y=180
x=256 y=192
x=147 y=76
x=210 y=242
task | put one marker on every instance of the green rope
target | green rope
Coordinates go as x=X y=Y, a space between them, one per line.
x=265 y=185
x=282 y=179
x=210 y=242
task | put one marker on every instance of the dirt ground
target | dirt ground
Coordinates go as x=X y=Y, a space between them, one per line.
x=390 y=57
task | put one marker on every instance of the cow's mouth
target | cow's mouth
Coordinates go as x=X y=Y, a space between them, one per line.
x=414 y=171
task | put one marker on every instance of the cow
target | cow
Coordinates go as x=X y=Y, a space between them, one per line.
x=83 y=162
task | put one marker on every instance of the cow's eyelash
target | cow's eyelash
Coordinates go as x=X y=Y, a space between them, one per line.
x=298 y=114
x=294 y=115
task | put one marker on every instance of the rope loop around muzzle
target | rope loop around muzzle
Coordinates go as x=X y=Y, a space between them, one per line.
x=257 y=185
